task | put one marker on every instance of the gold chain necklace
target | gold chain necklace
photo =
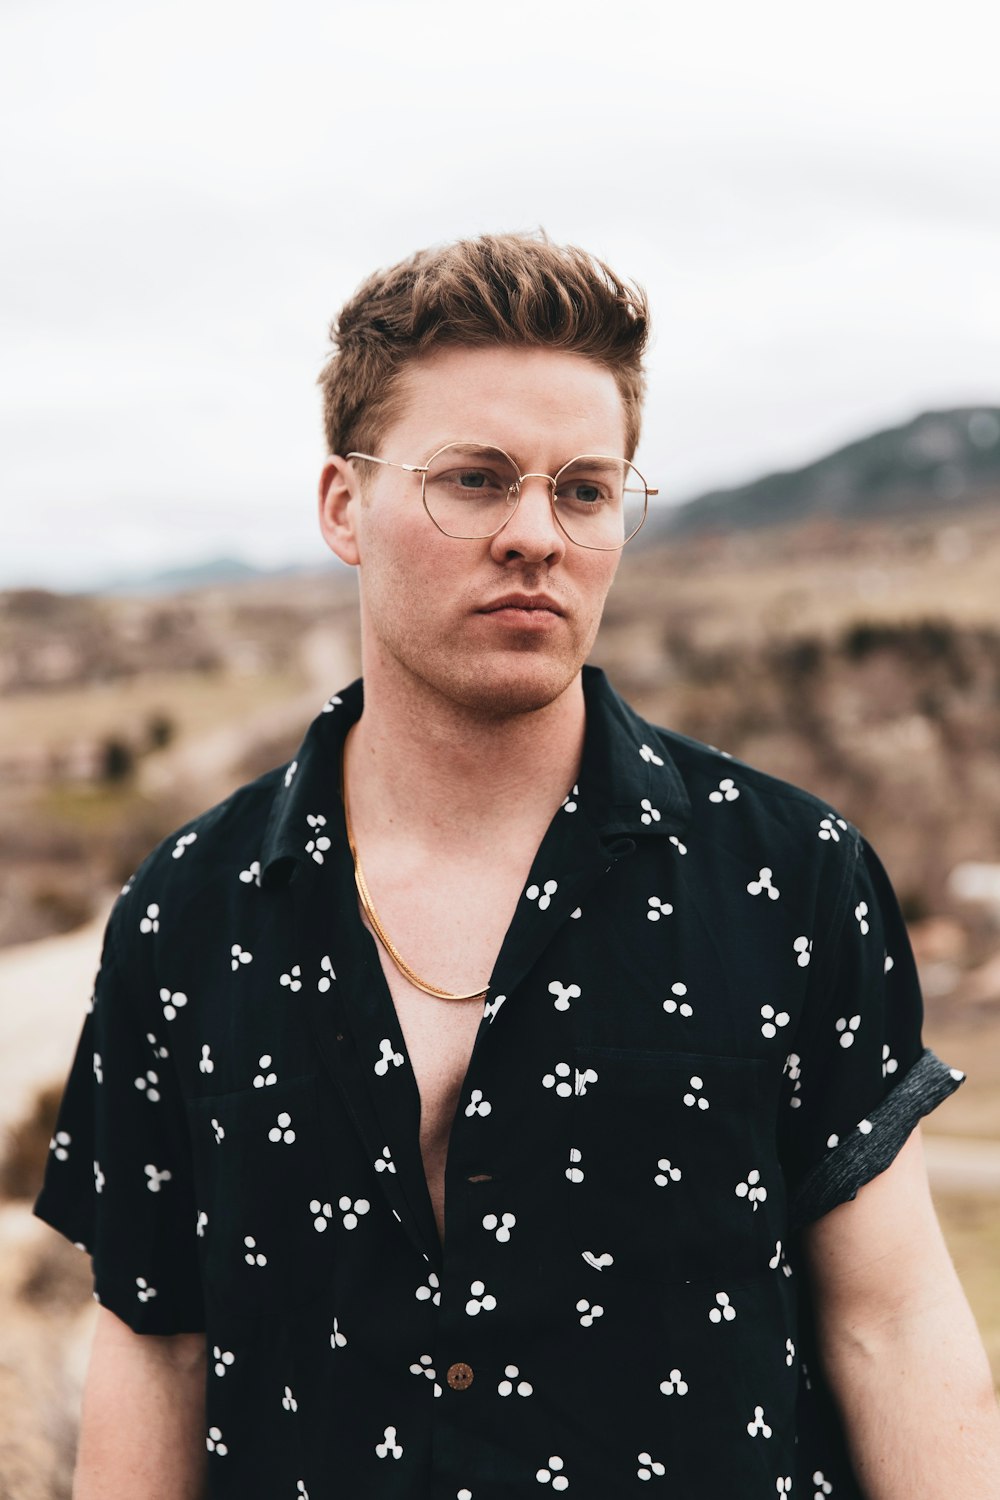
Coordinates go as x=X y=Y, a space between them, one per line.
x=373 y=917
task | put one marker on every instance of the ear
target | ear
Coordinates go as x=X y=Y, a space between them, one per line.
x=339 y=504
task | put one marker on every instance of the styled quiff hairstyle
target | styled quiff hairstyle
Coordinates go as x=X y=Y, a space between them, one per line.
x=513 y=289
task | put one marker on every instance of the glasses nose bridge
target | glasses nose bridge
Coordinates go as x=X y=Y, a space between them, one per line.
x=517 y=488
x=519 y=483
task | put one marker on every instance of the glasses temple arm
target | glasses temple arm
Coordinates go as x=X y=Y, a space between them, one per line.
x=390 y=463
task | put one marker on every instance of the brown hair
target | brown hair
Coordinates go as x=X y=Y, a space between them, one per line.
x=514 y=289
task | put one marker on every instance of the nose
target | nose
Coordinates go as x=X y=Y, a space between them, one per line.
x=532 y=533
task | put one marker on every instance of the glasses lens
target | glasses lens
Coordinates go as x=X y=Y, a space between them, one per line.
x=601 y=502
x=470 y=490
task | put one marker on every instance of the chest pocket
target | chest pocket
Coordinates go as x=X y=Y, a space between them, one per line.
x=672 y=1167
x=259 y=1165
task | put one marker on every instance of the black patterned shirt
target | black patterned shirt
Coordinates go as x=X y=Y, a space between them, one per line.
x=702 y=1032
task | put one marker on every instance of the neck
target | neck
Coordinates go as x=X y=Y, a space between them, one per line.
x=425 y=770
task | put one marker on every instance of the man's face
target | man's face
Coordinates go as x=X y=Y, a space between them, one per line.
x=429 y=601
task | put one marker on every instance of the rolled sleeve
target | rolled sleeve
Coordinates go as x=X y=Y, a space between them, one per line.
x=861 y=1074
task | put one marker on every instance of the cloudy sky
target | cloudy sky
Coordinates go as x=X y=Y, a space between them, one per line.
x=811 y=198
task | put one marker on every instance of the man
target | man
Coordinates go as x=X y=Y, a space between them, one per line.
x=509 y=1095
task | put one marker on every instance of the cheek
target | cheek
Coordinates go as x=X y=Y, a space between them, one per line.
x=384 y=542
x=597 y=580
x=404 y=578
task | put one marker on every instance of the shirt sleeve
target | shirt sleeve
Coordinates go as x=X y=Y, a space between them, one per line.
x=859 y=1078
x=118 y=1181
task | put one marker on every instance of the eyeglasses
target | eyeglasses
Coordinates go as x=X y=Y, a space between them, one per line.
x=471 y=490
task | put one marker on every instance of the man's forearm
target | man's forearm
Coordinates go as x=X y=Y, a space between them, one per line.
x=918 y=1404
x=142 y=1432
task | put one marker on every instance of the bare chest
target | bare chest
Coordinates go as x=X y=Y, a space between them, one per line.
x=451 y=943
x=440 y=1036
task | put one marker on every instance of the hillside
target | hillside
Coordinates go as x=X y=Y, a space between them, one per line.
x=939 y=462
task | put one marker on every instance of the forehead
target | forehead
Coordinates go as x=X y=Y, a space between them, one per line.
x=541 y=405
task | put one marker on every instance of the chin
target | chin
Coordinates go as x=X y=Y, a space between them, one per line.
x=505 y=687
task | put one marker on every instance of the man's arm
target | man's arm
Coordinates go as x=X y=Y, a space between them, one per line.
x=899 y=1345
x=143 y=1426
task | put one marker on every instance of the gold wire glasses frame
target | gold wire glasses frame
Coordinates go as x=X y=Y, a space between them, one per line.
x=514 y=489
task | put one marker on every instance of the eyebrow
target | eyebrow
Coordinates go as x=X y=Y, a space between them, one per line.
x=482 y=450
x=597 y=460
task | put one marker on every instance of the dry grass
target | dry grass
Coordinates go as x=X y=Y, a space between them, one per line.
x=194 y=702
x=788 y=580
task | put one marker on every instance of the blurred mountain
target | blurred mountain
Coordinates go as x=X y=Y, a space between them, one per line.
x=940 y=461
x=213 y=572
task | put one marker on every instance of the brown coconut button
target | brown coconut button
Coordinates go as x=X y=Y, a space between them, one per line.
x=459 y=1376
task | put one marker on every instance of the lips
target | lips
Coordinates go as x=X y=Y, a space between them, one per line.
x=529 y=602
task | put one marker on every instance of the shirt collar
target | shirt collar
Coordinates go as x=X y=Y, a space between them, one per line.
x=307 y=809
x=628 y=783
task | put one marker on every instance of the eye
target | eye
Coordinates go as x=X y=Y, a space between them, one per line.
x=586 y=491
x=462 y=472
x=474 y=479
x=479 y=481
x=583 y=490
x=592 y=483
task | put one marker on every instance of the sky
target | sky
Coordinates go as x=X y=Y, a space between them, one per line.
x=190 y=191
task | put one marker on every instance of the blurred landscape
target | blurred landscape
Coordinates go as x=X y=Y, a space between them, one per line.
x=838 y=627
